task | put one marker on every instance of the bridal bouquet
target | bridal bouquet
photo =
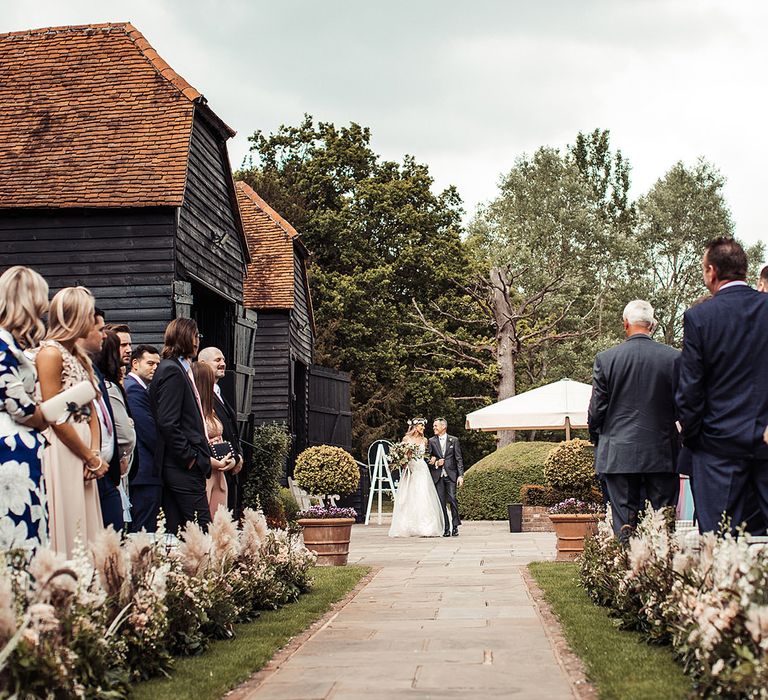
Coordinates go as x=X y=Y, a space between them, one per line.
x=403 y=452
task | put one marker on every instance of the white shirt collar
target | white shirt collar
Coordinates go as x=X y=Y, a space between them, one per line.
x=217 y=390
x=138 y=379
x=734 y=283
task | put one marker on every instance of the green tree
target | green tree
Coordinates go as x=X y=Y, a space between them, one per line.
x=379 y=237
x=681 y=212
x=548 y=262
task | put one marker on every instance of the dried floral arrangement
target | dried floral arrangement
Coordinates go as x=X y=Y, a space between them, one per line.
x=705 y=595
x=118 y=612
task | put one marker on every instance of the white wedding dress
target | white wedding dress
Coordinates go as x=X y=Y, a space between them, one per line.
x=417 y=511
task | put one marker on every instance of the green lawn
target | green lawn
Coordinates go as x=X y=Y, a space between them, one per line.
x=228 y=663
x=619 y=663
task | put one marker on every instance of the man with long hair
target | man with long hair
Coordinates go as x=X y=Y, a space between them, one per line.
x=182 y=449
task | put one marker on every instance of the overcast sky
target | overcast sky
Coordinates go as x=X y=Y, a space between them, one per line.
x=466 y=87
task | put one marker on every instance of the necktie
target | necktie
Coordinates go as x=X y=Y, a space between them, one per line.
x=199 y=403
x=105 y=416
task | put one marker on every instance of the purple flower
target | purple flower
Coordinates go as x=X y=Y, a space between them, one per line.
x=573 y=506
x=321 y=512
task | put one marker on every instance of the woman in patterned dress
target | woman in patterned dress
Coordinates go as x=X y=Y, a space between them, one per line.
x=72 y=460
x=23 y=517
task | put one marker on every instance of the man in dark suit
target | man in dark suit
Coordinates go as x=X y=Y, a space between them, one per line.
x=146 y=485
x=631 y=420
x=722 y=393
x=214 y=358
x=182 y=449
x=446 y=466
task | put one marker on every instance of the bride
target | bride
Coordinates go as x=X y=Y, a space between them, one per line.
x=417 y=511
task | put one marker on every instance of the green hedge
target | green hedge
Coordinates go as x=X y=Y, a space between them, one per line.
x=496 y=479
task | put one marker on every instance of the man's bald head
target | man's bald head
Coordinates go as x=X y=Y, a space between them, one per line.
x=214 y=358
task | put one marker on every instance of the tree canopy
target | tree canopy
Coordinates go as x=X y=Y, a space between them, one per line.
x=433 y=319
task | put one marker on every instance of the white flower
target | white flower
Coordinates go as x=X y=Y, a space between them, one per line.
x=12 y=536
x=719 y=666
x=757 y=624
x=15 y=487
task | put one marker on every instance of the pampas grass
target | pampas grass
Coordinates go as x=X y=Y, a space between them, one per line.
x=194 y=551
x=224 y=538
x=110 y=564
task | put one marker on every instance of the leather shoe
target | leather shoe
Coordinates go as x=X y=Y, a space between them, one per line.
x=455 y=532
x=446 y=534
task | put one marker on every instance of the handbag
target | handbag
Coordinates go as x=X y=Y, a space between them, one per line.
x=222 y=450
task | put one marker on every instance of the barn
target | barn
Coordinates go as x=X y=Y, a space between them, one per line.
x=114 y=174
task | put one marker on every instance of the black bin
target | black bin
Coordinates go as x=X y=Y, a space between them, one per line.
x=515 y=513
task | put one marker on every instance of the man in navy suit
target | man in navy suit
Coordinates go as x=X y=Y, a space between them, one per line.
x=722 y=392
x=146 y=484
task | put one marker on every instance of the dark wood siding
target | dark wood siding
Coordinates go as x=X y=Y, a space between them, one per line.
x=301 y=326
x=209 y=248
x=124 y=256
x=330 y=417
x=272 y=369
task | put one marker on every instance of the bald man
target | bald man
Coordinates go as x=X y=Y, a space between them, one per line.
x=762 y=283
x=214 y=358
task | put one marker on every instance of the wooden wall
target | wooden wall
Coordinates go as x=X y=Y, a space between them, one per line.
x=209 y=212
x=272 y=368
x=330 y=416
x=124 y=256
x=302 y=337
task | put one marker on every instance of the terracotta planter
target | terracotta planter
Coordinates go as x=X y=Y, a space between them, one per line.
x=328 y=538
x=571 y=531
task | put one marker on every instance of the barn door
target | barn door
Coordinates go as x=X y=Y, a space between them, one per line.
x=330 y=423
x=330 y=418
x=182 y=299
x=245 y=340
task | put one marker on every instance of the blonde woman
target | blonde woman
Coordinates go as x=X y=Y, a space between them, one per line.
x=72 y=461
x=23 y=518
x=417 y=511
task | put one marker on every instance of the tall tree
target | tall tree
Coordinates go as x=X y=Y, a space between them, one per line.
x=379 y=237
x=546 y=254
x=681 y=212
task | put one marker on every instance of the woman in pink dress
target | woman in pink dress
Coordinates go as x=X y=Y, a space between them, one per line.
x=216 y=484
x=71 y=461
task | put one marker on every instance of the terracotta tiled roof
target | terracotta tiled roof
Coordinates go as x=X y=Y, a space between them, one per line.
x=92 y=117
x=270 y=280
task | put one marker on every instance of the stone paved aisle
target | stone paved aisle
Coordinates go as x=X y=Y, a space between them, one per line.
x=444 y=618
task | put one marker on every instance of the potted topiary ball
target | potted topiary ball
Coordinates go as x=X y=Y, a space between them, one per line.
x=327 y=472
x=570 y=472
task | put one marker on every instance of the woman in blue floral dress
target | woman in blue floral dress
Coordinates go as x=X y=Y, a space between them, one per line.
x=23 y=515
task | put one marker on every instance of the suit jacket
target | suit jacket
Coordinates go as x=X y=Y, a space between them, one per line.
x=146 y=472
x=454 y=462
x=113 y=473
x=631 y=414
x=181 y=441
x=722 y=392
x=226 y=414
